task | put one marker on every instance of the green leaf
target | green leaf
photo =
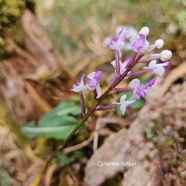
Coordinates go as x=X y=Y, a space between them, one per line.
x=57 y=132
x=57 y=123
x=68 y=107
x=57 y=120
x=138 y=104
x=64 y=159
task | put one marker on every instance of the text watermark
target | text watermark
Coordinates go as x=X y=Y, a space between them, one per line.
x=116 y=163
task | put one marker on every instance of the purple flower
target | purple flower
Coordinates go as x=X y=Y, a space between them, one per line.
x=139 y=43
x=117 y=43
x=124 y=104
x=93 y=82
x=157 y=68
x=140 y=90
x=80 y=86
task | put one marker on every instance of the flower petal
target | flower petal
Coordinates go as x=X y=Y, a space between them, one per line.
x=122 y=99
x=134 y=83
x=98 y=91
x=159 y=71
x=113 y=63
x=98 y=74
x=150 y=82
x=123 y=108
x=152 y=64
x=91 y=75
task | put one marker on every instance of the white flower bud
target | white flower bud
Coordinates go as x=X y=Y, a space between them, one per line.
x=165 y=55
x=159 y=43
x=144 y=30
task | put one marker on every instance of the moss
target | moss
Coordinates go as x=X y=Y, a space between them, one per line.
x=3 y=51
x=13 y=126
x=10 y=11
x=10 y=14
x=16 y=32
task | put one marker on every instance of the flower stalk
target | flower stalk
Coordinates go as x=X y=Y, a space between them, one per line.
x=142 y=53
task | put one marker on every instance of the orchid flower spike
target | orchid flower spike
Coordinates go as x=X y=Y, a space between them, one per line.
x=80 y=86
x=93 y=82
x=124 y=104
x=140 y=90
x=157 y=68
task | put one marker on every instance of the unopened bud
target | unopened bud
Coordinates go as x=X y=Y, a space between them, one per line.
x=144 y=30
x=165 y=55
x=159 y=43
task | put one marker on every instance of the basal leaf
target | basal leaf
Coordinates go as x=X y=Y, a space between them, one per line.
x=57 y=132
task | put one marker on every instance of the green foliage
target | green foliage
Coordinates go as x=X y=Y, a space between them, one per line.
x=65 y=159
x=5 y=178
x=10 y=11
x=181 y=18
x=69 y=23
x=138 y=104
x=57 y=123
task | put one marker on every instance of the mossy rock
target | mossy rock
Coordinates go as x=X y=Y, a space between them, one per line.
x=10 y=11
x=10 y=14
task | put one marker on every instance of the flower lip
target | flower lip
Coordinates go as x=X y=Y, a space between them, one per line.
x=93 y=80
x=157 y=68
x=118 y=43
x=140 y=90
x=124 y=104
x=79 y=86
x=139 y=43
x=92 y=83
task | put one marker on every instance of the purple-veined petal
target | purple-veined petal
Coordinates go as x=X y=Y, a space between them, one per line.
x=150 y=82
x=166 y=63
x=121 y=34
x=91 y=84
x=79 y=86
x=143 y=93
x=93 y=80
x=91 y=75
x=98 y=75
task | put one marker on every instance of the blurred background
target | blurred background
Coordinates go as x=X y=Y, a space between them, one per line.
x=45 y=46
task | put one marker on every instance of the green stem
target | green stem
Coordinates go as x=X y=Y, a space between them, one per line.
x=81 y=122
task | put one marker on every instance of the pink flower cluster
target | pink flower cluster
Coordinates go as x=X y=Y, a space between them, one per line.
x=142 y=53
